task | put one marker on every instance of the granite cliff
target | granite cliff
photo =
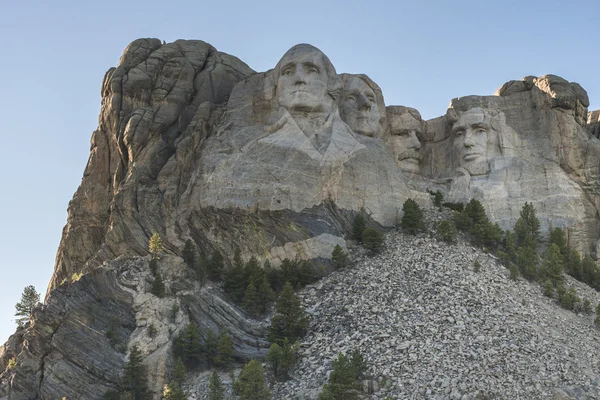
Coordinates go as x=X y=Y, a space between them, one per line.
x=193 y=144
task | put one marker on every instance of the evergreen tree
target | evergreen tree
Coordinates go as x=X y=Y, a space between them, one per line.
x=158 y=287
x=548 y=288
x=306 y=273
x=282 y=358
x=265 y=295
x=290 y=320
x=572 y=264
x=253 y=272
x=216 y=391
x=234 y=282
x=251 y=300
x=201 y=268
x=527 y=259
x=447 y=231
x=189 y=253
x=179 y=372
x=155 y=246
x=462 y=221
x=274 y=276
x=344 y=379
x=135 y=381
x=24 y=308
x=509 y=246
x=224 y=356
x=210 y=348
x=438 y=198
x=557 y=237
x=251 y=384
x=527 y=227
x=339 y=257
x=373 y=240
x=412 y=220
x=590 y=273
x=552 y=265
x=215 y=267
x=474 y=209
x=188 y=345
x=290 y=272
x=358 y=227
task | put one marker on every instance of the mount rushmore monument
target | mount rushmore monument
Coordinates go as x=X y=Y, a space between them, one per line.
x=192 y=144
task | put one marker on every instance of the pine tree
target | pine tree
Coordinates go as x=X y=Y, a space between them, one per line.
x=158 y=287
x=462 y=221
x=189 y=253
x=572 y=264
x=447 y=231
x=179 y=372
x=215 y=267
x=474 y=209
x=339 y=257
x=527 y=259
x=224 y=356
x=265 y=295
x=373 y=240
x=274 y=276
x=188 y=345
x=282 y=358
x=216 y=391
x=210 y=349
x=412 y=220
x=155 y=246
x=552 y=265
x=557 y=237
x=590 y=273
x=135 y=380
x=251 y=383
x=24 y=308
x=234 y=282
x=306 y=273
x=290 y=320
x=358 y=227
x=251 y=300
x=527 y=227
x=343 y=381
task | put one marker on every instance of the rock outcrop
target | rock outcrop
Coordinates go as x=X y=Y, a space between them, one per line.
x=192 y=144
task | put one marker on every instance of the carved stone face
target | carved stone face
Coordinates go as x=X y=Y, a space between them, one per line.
x=302 y=80
x=359 y=107
x=471 y=140
x=405 y=133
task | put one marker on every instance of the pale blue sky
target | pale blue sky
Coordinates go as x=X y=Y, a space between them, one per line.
x=422 y=54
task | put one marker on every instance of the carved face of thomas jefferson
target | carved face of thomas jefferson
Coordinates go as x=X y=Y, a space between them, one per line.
x=359 y=107
x=302 y=80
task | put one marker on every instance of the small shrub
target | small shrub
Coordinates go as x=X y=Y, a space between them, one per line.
x=447 y=231
x=155 y=246
x=339 y=257
x=548 y=288
x=158 y=287
x=358 y=227
x=412 y=219
x=373 y=240
x=152 y=331
x=76 y=276
x=462 y=221
x=174 y=311
x=587 y=306
x=251 y=383
x=12 y=363
x=476 y=266
x=282 y=358
x=438 y=198
x=454 y=206
x=216 y=391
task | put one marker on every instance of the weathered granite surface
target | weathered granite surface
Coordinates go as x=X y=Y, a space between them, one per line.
x=193 y=144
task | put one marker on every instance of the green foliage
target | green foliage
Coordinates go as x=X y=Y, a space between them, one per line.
x=474 y=209
x=458 y=207
x=358 y=227
x=438 y=198
x=590 y=273
x=510 y=247
x=112 y=334
x=447 y=231
x=224 y=356
x=339 y=257
x=179 y=372
x=527 y=259
x=251 y=383
x=572 y=264
x=201 y=268
x=527 y=227
x=514 y=272
x=290 y=320
x=174 y=311
x=548 y=288
x=215 y=266
x=174 y=392
x=76 y=276
x=155 y=246
x=373 y=240
x=476 y=266
x=12 y=363
x=274 y=276
x=135 y=380
x=235 y=282
x=557 y=237
x=462 y=221
x=282 y=358
x=412 y=219
x=189 y=253
x=24 y=308
x=587 y=306
x=158 y=287
x=569 y=299
x=216 y=391
x=188 y=346
x=344 y=379
x=597 y=319
x=154 y=266
x=552 y=265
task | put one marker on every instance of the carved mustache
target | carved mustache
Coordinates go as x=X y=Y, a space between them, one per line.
x=410 y=153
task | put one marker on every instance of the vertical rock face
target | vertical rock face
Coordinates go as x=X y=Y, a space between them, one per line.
x=193 y=144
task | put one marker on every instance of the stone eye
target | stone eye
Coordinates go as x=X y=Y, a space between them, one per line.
x=371 y=99
x=351 y=98
x=459 y=133
x=480 y=130
x=313 y=70
x=288 y=72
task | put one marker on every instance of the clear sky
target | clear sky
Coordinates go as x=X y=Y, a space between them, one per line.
x=422 y=54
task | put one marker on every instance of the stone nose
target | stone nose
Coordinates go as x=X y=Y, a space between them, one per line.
x=414 y=142
x=363 y=103
x=299 y=77
x=469 y=142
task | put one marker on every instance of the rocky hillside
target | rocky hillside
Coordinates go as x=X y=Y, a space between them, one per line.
x=431 y=327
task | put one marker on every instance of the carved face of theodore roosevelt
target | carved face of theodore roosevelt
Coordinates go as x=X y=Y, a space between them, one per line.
x=303 y=76
x=359 y=107
x=405 y=130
